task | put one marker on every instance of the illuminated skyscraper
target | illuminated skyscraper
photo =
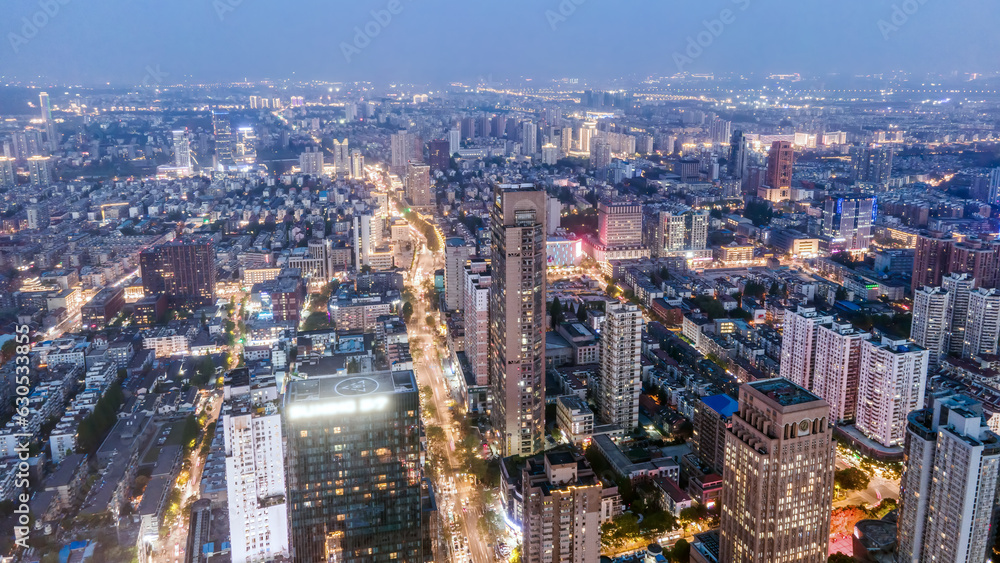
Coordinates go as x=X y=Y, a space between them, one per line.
x=932 y=315
x=619 y=224
x=529 y=133
x=223 y=138
x=982 y=326
x=562 y=514
x=777 y=490
x=357 y=164
x=401 y=147
x=872 y=165
x=183 y=269
x=798 y=344
x=40 y=170
x=311 y=161
x=438 y=156
x=7 y=177
x=454 y=141
x=891 y=385
x=837 y=368
x=620 y=385
x=931 y=259
x=848 y=221
x=341 y=158
x=418 y=185
x=517 y=318
x=959 y=287
x=780 y=164
x=182 y=150
x=50 y=124
x=246 y=146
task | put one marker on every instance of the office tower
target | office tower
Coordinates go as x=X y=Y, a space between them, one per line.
x=245 y=149
x=454 y=141
x=357 y=165
x=350 y=112
x=780 y=163
x=456 y=254
x=477 y=278
x=418 y=185
x=40 y=170
x=711 y=422
x=674 y=230
x=798 y=344
x=468 y=127
x=529 y=133
x=364 y=239
x=891 y=385
x=949 y=484
x=255 y=102
x=550 y=154
x=311 y=161
x=600 y=153
x=553 y=116
x=837 y=368
x=562 y=510
x=566 y=140
x=50 y=124
x=223 y=138
x=353 y=469
x=183 y=269
x=872 y=165
x=980 y=259
x=619 y=383
x=932 y=315
x=994 y=198
x=848 y=221
x=7 y=177
x=619 y=225
x=553 y=215
x=931 y=259
x=982 y=327
x=587 y=133
x=38 y=216
x=438 y=156
x=255 y=472
x=720 y=130
x=182 y=150
x=739 y=156
x=517 y=317
x=498 y=126
x=341 y=158
x=777 y=484
x=401 y=147
x=959 y=287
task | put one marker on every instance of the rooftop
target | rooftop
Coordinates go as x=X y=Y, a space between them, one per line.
x=783 y=392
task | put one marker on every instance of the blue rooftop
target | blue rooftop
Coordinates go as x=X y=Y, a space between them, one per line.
x=722 y=404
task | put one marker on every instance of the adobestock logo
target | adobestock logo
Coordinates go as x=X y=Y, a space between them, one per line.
x=364 y=35
x=900 y=16
x=33 y=24
x=702 y=40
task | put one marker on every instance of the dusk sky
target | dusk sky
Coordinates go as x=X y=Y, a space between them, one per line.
x=436 y=40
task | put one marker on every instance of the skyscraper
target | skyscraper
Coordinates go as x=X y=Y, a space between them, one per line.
x=931 y=259
x=456 y=254
x=357 y=165
x=477 y=278
x=798 y=344
x=562 y=510
x=182 y=150
x=255 y=471
x=438 y=156
x=719 y=130
x=674 y=230
x=777 y=487
x=223 y=138
x=418 y=185
x=959 y=287
x=517 y=317
x=978 y=258
x=341 y=158
x=932 y=315
x=848 y=221
x=780 y=164
x=550 y=154
x=949 y=484
x=7 y=177
x=982 y=327
x=311 y=161
x=401 y=147
x=49 y=123
x=38 y=215
x=353 y=469
x=739 y=156
x=183 y=269
x=529 y=133
x=600 y=153
x=619 y=224
x=891 y=385
x=364 y=239
x=994 y=198
x=40 y=171
x=245 y=148
x=837 y=368
x=454 y=141
x=872 y=165
x=619 y=384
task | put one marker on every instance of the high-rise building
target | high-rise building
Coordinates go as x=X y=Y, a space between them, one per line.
x=365 y=238
x=438 y=156
x=891 y=385
x=872 y=165
x=994 y=198
x=720 y=130
x=357 y=164
x=255 y=471
x=311 y=161
x=566 y=140
x=7 y=177
x=562 y=510
x=780 y=164
x=848 y=221
x=711 y=420
x=418 y=185
x=674 y=230
x=978 y=258
x=932 y=315
x=40 y=171
x=982 y=327
x=456 y=254
x=619 y=384
x=550 y=154
x=182 y=269
x=553 y=215
x=38 y=216
x=182 y=150
x=959 y=287
x=454 y=141
x=949 y=484
x=353 y=468
x=619 y=224
x=341 y=158
x=587 y=133
x=245 y=148
x=529 y=133
x=517 y=318
x=600 y=152
x=739 y=156
x=401 y=149
x=798 y=344
x=777 y=484
x=477 y=279
x=223 y=138
x=50 y=125
x=837 y=368
x=931 y=259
